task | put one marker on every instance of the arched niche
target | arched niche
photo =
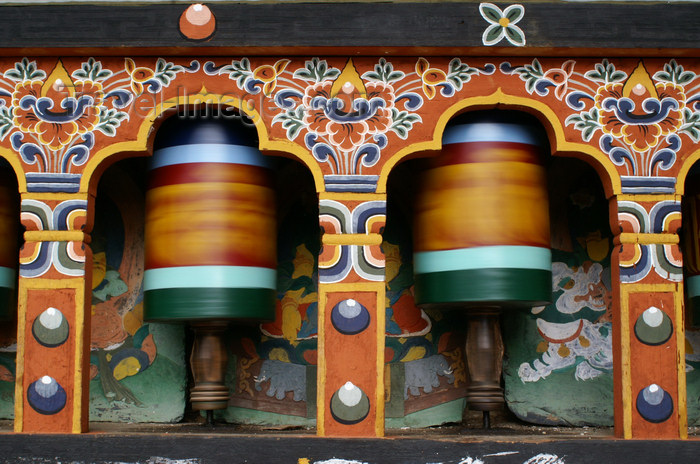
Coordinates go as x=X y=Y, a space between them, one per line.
x=255 y=350
x=547 y=117
x=11 y=241
x=137 y=368
x=567 y=346
x=274 y=363
x=581 y=241
x=690 y=247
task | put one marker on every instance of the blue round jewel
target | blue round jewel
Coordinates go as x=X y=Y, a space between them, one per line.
x=654 y=404
x=349 y=317
x=46 y=396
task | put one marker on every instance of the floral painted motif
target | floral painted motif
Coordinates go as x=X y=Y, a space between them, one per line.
x=52 y=119
x=457 y=75
x=502 y=24
x=640 y=118
x=250 y=79
x=153 y=80
x=346 y=116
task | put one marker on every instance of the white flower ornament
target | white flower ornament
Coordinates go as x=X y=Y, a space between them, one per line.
x=503 y=24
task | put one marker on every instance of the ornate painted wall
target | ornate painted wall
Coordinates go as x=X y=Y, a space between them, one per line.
x=637 y=122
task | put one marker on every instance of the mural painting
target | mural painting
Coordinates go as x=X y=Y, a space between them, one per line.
x=566 y=347
x=137 y=369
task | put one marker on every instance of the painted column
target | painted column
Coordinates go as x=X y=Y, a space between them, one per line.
x=53 y=335
x=649 y=337
x=351 y=315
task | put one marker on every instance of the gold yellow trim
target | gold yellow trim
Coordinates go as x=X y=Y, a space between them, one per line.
x=649 y=288
x=352 y=196
x=46 y=196
x=381 y=339
x=140 y=145
x=688 y=163
x=680 y=347
x=352 y=239
x=650 y=198
x=55 y=236
x=647 y=239
x=501 y=100
x=362 y=286
x=19 y=365
x=322 y=368
x=78 y=360
x=625 y=363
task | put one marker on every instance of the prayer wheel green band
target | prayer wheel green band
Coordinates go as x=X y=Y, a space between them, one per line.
x=503 y=286
x=173 y=304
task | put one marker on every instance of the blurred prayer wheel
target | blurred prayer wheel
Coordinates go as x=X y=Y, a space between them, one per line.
x=9 y=251
x=210 y=240
x=482 y=235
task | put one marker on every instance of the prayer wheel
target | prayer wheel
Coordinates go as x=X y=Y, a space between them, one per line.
x=210 y=238
x=482 y=235
x=9 y=249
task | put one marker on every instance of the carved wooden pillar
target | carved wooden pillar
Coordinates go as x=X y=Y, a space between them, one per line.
x=648 y=330
x=351 y=315
x=53 y=336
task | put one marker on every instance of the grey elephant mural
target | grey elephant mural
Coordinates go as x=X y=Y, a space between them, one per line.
x=283 y=377
x=423 y=373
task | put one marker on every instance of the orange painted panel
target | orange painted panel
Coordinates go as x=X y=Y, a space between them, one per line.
x=653 y=365
x=350 y=358
x=56 y=362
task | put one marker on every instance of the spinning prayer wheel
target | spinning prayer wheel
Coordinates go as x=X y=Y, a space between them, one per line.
x=210 y=240
x=9 y=249
x=482 y=235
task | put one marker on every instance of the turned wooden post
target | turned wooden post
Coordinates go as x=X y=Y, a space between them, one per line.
x=484 y=359
x=208 y=360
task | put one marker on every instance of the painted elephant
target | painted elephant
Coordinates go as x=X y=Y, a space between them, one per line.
x=424 y=373
x=283 y=377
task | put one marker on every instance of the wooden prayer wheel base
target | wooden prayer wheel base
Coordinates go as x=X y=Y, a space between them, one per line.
x=485 y=398
x=209 y=358
x=209 y=396
x=484 y=359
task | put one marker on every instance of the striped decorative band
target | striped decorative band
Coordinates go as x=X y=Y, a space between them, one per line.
x=489 y=132
x=488 y=257
x=210 y=277
x=209 y=153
